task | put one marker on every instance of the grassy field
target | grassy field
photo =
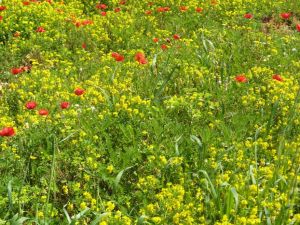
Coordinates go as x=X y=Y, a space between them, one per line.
x=139 y=112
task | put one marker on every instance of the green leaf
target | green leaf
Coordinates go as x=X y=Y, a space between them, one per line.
x=154 y=61
x=267 y=213
x=22 y=220
x=79 y=215
x=141 y=220
x=120 y=174
x=9 y=193
x=196 y=139
x=66 y=138
x=212 y=188
x=99 y=218
x=176 y=146
x=67 y=214
x=236 y=197
x=15 y=220
x=252 y=174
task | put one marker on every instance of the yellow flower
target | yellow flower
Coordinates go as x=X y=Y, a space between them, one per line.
x=83 y=205
x=32 y=157
x=110 y=206
x=156 y=219
x=110 y=168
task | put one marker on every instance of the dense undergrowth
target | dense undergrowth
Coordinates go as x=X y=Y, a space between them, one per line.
x=137 y=112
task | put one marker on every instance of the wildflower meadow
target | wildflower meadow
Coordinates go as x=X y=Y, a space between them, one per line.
x=120 y=112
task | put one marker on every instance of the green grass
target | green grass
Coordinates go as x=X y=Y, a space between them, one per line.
x=175 y=141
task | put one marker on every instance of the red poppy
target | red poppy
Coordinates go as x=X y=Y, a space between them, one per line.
x=176 y=37
x=79 y=91
x=199 y=10
x=248 y=16
x=140 y=57
x=87 y=22
x=155 y=40
x=7 y=132
x=83 y=45
x=17 y=34
x=277 y=77
x=43 y=112
x=103 y=13
x=26 y=3
x=101 y=6
x=25 y=68
x=117 y=10
x=241 y=78
x=148 y=12
x=2 y=7
x=117 y=57
x=160 y=9
x=164 y=47
x=40 y=30
x=298 y=27
x=285 y=15
x=30 y=105
x=16 y=71
x=64 y=105
x=163 y=9
x=214 y=2
x=183 y=8
x=114 y=54
x=77 y=24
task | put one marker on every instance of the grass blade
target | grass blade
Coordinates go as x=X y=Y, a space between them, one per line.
x=79 y=215
x=120 y=174
x=9 y=193
x=67 y=214
x=99 y=218
x=236 y=197
x=212 y=188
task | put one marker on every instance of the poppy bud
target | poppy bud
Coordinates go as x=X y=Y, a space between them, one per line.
x=176 y=37
x=64 y=105
x=285 y=15
x=199 y=10
x=7 y=132
x=16 y=71
x=277 y=77
x=248 y=16
x=241 y=78
x=40 y=30
x=30 y=105
x=155 y=40
x=79 y=91
x=43 y=112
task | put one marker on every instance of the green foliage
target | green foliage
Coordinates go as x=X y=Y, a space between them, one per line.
x=197 y=126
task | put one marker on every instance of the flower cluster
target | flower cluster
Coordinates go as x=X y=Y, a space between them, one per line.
x=159 y=112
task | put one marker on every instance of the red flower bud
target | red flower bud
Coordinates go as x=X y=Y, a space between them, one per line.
x=241 y=78
x=64 y=105
x=277 y=77
x=30 y=105
x=7 y=132
x=43 y=112
x=79 y=91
